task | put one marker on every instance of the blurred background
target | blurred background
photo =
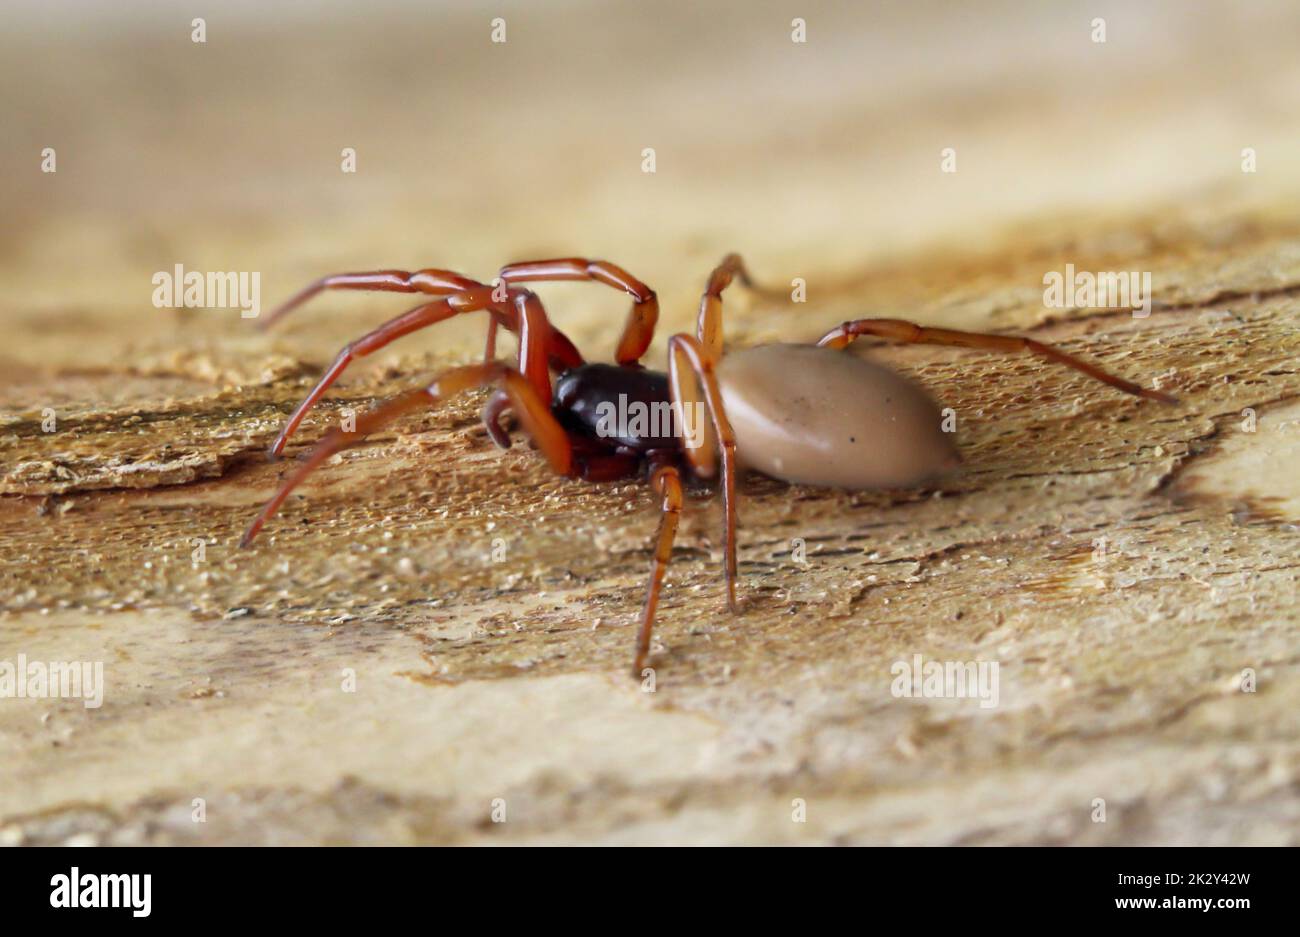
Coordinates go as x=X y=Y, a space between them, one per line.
x=814 y=159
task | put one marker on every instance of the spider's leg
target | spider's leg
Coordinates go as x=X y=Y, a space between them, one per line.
x=532 y=410
x=667 y=483
x=536 y=343
x=709 y=325
x=433 y=282
x=640 y=327
x=691 y=375
x=898 y=330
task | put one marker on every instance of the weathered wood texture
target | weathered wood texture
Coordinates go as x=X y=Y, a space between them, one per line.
x=1120 y=670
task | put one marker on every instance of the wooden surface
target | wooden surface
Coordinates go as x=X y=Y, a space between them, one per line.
x=479 y=679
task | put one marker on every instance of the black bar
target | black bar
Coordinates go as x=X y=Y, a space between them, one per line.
x=331 y=887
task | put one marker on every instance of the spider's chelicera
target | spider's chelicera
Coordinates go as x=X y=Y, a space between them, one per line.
x=802 y=413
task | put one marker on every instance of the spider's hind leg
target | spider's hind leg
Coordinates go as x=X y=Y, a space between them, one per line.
x=899 y=330
x=708 y=328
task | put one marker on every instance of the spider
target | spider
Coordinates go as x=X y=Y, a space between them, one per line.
x=805 y=414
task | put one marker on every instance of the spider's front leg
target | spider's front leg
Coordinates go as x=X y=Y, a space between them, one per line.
x=431 y=281
x=538 y=343
x=531 y=408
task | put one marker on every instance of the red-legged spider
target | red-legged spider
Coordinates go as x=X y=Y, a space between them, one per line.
x=801 y=413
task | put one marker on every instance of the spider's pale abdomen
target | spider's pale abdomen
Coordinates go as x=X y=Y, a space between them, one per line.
x=816 y=416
